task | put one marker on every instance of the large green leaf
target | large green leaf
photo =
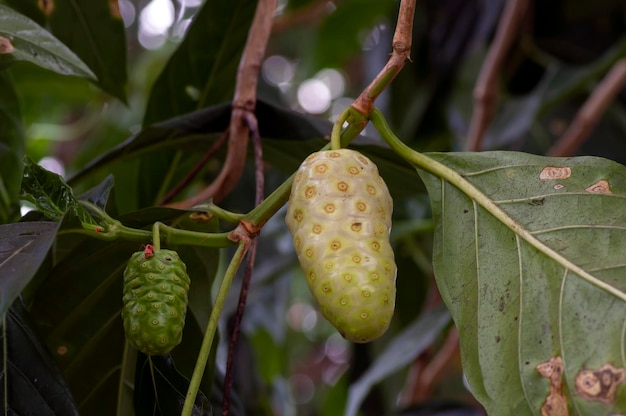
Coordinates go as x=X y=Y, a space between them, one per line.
x=32 y=43
x=529 y=258
x=193 y=80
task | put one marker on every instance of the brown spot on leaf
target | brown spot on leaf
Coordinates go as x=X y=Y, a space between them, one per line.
x=600 y=187
x=558 y=186
x=600 y=385
x=554 y=172
x=5 y=45
x=46 y=6
x=200 y=217
x=556 y=403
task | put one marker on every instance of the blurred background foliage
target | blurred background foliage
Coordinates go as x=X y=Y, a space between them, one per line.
x=161 y=59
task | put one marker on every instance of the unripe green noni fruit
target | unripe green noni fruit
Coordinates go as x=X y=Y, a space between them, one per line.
x=339 y=215
x=155 y=300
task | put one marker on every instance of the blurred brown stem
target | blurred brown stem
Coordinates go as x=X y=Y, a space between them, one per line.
x=401 y=44
x=588 y=116
x=485 y=91
x=245 y=284
x=244 y=102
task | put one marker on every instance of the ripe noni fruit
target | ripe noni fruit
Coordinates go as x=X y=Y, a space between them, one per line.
x=339 y=215
x=155 y=300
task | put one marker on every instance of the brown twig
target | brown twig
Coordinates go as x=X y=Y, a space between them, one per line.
x=485 y=91
x=424 y=375
x=245 y=284
x=196 y=169
x=590 y=113
x=244 y=102
x=400 y=54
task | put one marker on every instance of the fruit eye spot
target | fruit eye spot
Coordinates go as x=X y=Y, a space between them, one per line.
x=375 y=246
x=347 y=277
x=374 y=276
x=156 y=305
x=150 y=277
x=356 y=226
x=334 y=154
x=317 y=229
x=356 y=259
x=309 y=252
x=321 y=168
x=335 y=245
x=297 y=215
x=326 y=288
x=297 y=242
x=366 y=293
x=363 y=160
x=386 y=299
x=309 y=192
x=163 y=340
x=161 y=266
x=364 y=315
x=298 y=177
x=343 y=301
x=168 y=259
x=312 y=276
x=155 y=322
x=342 y=186
x=164 y=286
x=329 y=208
x=371 y=190
x=139 y=309
x=388 y=267
x=352 y=170
x=383 y=214
x=361 y=206
x=329 y=265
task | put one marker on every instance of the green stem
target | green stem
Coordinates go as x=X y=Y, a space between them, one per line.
x=335 y=135
x=207 y=341
x=454 y=178
x=156 y=237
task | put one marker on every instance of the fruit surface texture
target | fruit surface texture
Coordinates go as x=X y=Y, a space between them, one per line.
x=339 y=215
x=155 y=300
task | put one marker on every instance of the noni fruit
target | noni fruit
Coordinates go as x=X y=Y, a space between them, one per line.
x=339 y=215
x=155 y=300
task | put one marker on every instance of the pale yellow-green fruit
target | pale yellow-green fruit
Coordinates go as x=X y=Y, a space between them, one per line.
x=339 y=215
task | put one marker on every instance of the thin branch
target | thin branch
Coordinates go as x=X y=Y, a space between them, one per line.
x=431 y=373
x=245 y=284
x=485 y=91
x=244 y=101
x=588 y=116
x=401 y=53
x=196 y=169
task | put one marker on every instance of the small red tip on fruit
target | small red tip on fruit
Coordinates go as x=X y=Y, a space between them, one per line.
x=98 y=229
x=148 y=251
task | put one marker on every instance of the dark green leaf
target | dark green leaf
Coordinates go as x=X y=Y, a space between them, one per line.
x=529 y=259
x=164 y=392
x=35 y=385
x=193 y=80
x=23 y=247
x=32 y=43
x=11 y=150
x=94 y=30
x=50 y=194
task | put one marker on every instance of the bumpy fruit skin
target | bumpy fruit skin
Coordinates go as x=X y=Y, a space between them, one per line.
x=339 y=215
x=155 y=300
